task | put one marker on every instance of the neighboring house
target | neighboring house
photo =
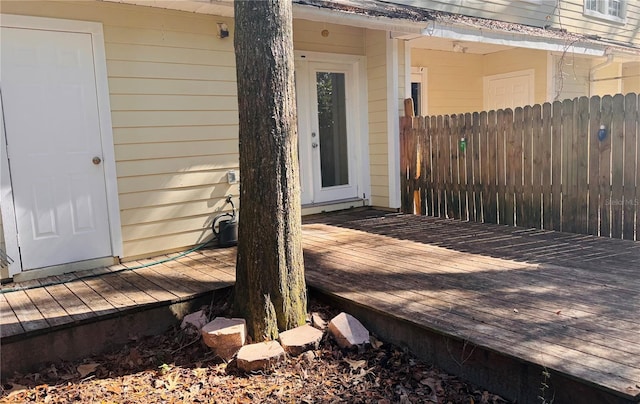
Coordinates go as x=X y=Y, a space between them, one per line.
x=119 y=124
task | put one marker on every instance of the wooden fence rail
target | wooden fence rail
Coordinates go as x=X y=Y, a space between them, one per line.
x=546 y=166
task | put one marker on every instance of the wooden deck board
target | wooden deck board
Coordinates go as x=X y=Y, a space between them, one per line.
x=565 y=301
x=9 y=323
x=157 y=293
x=506 y=341
x=161 y=278
x=51 y=310
x=98 y=305
x=71 y=304
x=30 y=317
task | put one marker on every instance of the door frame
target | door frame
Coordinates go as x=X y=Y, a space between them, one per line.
x=106 y=134
x=358 y=123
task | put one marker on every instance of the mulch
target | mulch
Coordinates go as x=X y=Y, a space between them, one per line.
x=177 y=367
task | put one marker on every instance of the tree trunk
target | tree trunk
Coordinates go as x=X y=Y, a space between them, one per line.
x=270 y=291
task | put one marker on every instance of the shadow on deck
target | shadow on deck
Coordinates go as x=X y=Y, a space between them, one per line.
x=494 y=304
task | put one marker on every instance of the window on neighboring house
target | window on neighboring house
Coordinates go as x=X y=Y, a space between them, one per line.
x=609 y=9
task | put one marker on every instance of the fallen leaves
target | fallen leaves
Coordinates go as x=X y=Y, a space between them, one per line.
x=86 y=369
x=164 y=369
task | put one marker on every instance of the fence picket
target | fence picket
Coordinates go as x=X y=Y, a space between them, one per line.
x=472 y=123
x=594 y=165
x=489 y=161
x=537 y=167
x=542 y=166
x=617 y=167
x=514 y=167
x=547 y=217
x=630 y=159
x=605 y=165
x=581 y=150
x=556 y=164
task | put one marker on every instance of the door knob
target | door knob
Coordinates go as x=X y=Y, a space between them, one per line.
x=314 y=145
x=96 y=160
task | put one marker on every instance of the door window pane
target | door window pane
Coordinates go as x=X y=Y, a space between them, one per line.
x=332 y=120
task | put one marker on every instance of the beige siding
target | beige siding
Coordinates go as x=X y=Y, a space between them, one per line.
x=307 y=36
x=522 y=12
x=572 y=18
x=564 y=14
x=378 y=138
x=514 y=60
x=174 y=113
x=631 y=80
x=612 y=83
x=454 y=80
x=571 y=77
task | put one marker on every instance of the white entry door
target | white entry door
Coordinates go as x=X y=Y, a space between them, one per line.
x=509 y=90
x=326 y=131
x=52 y=128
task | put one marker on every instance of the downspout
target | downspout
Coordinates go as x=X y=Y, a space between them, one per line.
x=600 y=66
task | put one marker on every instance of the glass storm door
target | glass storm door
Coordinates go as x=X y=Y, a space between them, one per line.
x=326 y=142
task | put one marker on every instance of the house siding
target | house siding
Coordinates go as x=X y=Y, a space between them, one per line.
x=376 y=53
x=172 y=86
x=518 y=59
x=307 y=36
x=521 y=12
x=631 y=80
x=454 y=80
x=570 y=16
x=565 y=14
x=571 y=77
x=174 y=114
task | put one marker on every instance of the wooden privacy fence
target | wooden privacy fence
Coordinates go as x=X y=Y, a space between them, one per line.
x=546 y=166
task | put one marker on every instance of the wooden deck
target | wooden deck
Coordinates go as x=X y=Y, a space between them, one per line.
x=495 y=303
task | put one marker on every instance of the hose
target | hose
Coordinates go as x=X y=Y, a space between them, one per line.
x=196 y=248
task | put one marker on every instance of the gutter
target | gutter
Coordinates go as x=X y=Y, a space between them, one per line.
x=407 y=30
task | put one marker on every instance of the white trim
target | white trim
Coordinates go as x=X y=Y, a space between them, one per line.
x=605 y=16
x=528 y=73
x=393 y=122
x=552 y=85
x=424 y=87
x=407 y=69
x=513 y=39
x=7 y=208
x=103 y=105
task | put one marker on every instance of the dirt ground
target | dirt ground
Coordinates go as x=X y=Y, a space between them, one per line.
x=178 y=368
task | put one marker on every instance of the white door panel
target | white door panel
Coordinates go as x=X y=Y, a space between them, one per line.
x=326 y=131
x=508 y=90
x=53 y=134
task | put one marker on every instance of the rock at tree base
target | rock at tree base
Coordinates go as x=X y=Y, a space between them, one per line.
x=318 y=322
x=259 y=356
x=300 y=339
x=348 y=331
x=193 y=321
x=225 y=335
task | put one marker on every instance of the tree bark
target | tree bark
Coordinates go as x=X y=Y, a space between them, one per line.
x=270 y=291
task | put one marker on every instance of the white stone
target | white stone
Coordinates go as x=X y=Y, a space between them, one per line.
x=259 y=356
x=348 y=331
x=318 y=322
x=225 y=335
x=193 y=321
x=300 y=339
